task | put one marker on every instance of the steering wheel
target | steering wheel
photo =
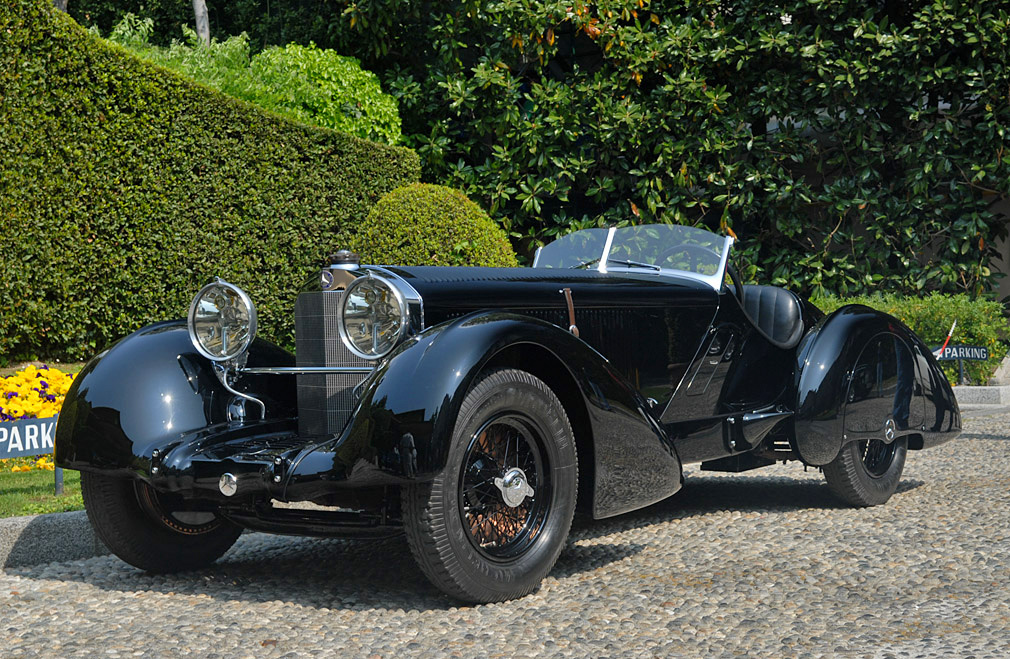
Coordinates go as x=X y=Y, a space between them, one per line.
x=697 y=255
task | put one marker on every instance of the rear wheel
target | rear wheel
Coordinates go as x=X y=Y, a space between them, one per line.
x=150 y=530
x=866 y=473
x=492 y=524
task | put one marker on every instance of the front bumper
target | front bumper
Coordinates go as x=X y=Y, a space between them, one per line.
x=268 y=460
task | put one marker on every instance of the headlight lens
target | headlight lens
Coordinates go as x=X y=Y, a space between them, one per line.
x=373 y=317
x=222 y=321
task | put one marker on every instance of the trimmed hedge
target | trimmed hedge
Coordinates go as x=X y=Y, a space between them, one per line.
x=979 y=323
x=124 y=188
x=423 y=224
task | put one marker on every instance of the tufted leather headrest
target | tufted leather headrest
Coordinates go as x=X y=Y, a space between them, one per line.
x=776 y=312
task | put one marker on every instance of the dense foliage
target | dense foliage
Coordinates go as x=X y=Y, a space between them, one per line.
x=850 y=145
x=423 y=224
x=979 y=323
x=278 y=22
x=168 y=15
x=124 y=188
x=304 y=83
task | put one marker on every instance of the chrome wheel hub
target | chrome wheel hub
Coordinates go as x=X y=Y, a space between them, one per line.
x=514 y=487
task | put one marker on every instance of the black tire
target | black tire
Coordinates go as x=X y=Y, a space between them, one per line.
x=152 y=531
x=465 y=536
x=866 y=473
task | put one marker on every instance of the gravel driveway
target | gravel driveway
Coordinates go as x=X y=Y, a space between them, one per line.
x=760 y=564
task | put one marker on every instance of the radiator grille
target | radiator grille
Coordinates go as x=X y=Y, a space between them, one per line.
x=325 y=401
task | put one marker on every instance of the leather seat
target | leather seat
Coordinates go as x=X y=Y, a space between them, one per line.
x=776 y=313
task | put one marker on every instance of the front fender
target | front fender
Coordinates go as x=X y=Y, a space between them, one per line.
x=862 y=374
x=421 y=387
x=148 y=391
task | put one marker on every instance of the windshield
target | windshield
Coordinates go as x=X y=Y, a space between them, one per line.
x=658 y=248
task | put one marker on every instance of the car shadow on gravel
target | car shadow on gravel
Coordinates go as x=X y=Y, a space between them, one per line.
x=706 y=495
x=980 y=435
x=382 y=575
x=312 y=572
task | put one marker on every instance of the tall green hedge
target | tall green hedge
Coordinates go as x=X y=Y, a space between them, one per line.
x=123 y=188
x=851 y=145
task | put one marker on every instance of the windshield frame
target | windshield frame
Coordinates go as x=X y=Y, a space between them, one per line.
x=716 y=281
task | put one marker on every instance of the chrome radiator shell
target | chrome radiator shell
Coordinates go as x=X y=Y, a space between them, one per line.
x=325 y=401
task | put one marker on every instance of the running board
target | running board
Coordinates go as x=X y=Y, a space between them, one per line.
x=737 y=463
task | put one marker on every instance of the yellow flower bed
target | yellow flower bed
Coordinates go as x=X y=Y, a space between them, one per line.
x=32 y=393
x=15 y=465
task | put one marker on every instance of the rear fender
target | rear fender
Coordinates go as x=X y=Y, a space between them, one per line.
x=420 y=388
x=861 y=374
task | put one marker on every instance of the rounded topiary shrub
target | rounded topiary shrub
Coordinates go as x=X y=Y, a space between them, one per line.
x=424 y=224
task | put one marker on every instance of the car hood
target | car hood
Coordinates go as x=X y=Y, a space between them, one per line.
x=456 y=290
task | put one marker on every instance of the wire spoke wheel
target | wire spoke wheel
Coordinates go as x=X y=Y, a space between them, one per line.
x=877 y=456
x=171 y=511
x=505 y=453
x=491 y=525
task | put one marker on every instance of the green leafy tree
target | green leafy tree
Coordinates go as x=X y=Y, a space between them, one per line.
x=850 y=145
x=313 y=85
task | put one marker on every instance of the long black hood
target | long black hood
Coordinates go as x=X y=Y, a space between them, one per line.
x=453 y=291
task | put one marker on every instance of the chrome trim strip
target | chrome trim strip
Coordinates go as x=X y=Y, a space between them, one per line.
x=303 y=370
x=717 y=281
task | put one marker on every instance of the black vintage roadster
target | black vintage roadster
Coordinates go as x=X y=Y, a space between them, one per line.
x=475 y=408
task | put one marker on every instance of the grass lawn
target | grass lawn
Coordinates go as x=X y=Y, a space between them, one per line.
x=68 y=367
x=31 y=493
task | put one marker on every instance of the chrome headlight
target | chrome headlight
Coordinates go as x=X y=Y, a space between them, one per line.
x=372 y=317
x=222 y=321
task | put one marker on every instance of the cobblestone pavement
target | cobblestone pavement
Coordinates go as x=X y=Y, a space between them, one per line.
x=762 y=564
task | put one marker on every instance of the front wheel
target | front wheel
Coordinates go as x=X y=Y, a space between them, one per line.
x=153 y=531
x=492 y=524
x=866 y=473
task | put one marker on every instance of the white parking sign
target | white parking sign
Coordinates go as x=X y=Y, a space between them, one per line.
x=26 y=437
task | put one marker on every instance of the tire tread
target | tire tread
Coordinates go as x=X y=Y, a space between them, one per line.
x=848 y=480
x=423 y=510
x=132 y=535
